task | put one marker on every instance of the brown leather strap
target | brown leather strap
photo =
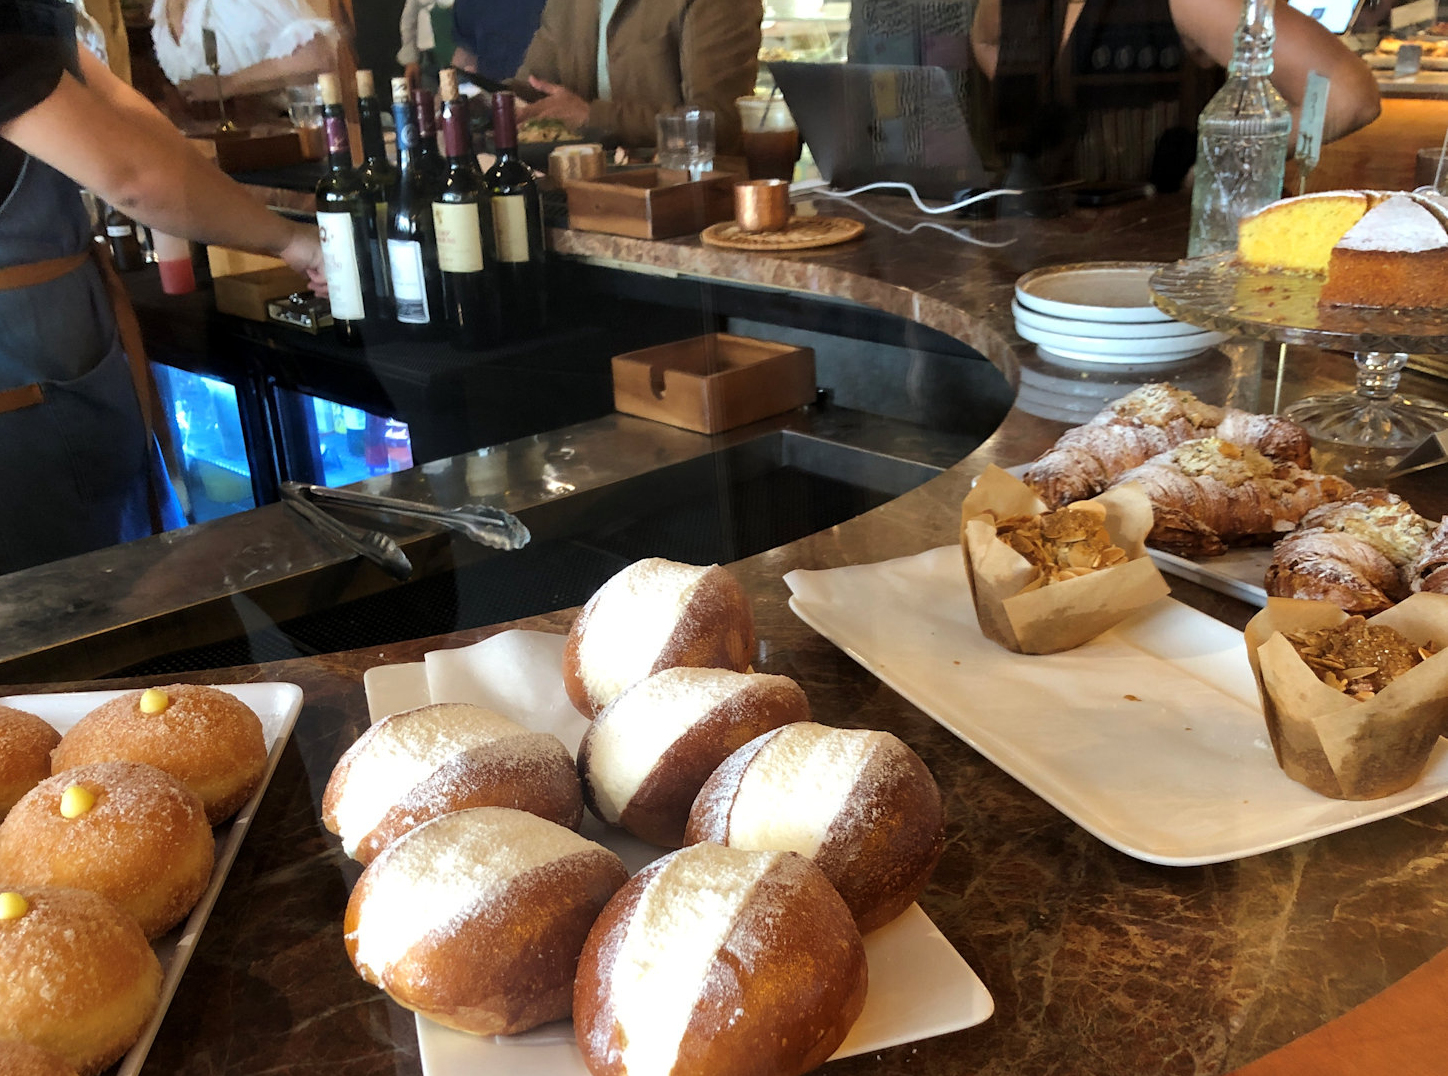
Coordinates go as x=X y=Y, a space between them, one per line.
x=25 y=276
x=24 y=396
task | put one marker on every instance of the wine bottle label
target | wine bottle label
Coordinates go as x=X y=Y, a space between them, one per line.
x=339 y=264
x=459 y=237
x=510 y=225
x=409 y=291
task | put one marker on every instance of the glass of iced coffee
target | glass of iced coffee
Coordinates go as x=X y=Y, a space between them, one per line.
x=771 y=140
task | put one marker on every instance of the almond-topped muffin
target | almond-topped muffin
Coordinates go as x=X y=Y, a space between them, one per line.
x=1065 y=544
x=1356 y=657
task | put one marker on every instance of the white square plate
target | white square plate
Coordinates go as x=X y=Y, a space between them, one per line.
x=277 y=705
x=919 y=985
x=1150 y=736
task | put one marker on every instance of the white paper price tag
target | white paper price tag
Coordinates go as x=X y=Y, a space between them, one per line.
x=1310 y=123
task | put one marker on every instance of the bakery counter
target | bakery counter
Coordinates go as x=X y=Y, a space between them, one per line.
x=1098 y=963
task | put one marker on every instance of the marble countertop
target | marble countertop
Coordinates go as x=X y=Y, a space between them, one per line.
x=1099 y=964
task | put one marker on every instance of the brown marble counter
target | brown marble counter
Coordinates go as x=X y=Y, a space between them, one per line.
x=1099 y=964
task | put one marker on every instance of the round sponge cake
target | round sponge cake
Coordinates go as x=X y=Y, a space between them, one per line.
x=858 y=802
x=644 y=759
x=77 y=977
x=655 y=614
x=417 y=764
x=23 y=1059
x=207 y=737
x=25 y=745
x=475 y=919
x=125 y=830
x=714 y=961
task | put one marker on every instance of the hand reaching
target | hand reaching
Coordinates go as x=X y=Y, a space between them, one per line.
x=560 y=103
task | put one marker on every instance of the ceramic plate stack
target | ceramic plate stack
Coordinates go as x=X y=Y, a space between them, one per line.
x=1102 y=312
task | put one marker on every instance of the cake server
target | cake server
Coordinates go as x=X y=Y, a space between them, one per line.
x=482 y=523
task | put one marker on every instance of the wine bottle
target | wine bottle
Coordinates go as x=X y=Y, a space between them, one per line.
x=517 y=228
x=411 y=245
x=121 y=235
x=429 y=157
x=345 y=211
x=381 y=176
x=460 y=218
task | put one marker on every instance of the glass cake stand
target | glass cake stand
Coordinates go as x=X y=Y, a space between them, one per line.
x=1364 y=432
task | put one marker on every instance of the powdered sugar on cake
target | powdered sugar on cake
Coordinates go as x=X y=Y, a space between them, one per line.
x=812 y=768
x=683 y=918
x=437 y=875
x=404 y=750
x=628 y=739
x=1399 y=225
x=630 y=620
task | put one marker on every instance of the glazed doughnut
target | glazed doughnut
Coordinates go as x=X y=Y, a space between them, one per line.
x=418 y=764
x=77 y=977
x=23 y=1059
x=644 y=759
x=25 y=745
x=125 y=830
x=715 y=961
x=207 y=737
x=858 y=802
x=655 y=614
x=475 y=919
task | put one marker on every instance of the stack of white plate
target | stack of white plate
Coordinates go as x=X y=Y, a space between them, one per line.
x=1102 y=312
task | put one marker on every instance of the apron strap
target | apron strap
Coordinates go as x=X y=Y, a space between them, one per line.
x=32 y=273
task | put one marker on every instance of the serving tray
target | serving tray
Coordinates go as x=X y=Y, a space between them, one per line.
x=277 y=704
x=919 y=985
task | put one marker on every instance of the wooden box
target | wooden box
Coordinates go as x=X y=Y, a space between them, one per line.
x=247 y=151
x=246 y=294
x=713 y=383
x=649 y=203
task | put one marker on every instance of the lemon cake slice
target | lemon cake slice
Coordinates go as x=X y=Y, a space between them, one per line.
x=1299 y=233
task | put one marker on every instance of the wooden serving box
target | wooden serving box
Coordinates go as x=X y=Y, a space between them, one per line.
x=713 y=383
x=649 y=203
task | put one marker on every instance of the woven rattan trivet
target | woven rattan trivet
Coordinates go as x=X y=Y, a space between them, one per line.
x=800 y=233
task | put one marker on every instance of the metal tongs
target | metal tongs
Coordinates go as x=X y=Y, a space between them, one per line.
x=375 y=546
x=482 y=523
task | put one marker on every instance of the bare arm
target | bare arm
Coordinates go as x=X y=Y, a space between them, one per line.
x=1303 y=45
x=112 y=141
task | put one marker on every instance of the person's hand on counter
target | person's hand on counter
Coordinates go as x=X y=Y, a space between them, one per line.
x=558 y=103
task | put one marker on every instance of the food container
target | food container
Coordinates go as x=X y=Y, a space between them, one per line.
x=1329 y=741
x=246 y=294
x=650 y=203
x=713 y=383
x=1020 y=615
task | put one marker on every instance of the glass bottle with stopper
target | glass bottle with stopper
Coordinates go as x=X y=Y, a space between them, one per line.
x=1242 y=138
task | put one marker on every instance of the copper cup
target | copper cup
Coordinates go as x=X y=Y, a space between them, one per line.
x=761 y=205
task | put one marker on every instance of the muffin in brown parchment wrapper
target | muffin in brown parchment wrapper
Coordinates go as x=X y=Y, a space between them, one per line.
x=1330 y=741
x=1013 y=607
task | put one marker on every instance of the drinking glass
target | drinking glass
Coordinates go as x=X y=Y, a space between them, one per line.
x=771 y=139
x=686 y=140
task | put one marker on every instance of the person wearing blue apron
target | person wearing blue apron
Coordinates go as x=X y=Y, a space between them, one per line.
x=76 y=452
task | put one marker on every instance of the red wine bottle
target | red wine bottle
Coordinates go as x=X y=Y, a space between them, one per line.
x=121 y=235
x=411 y=245
x=460 y=219
x=381 y=177
x=517 y=228
x=345 y=214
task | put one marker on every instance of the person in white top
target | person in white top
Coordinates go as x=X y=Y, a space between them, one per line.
x=262 y=45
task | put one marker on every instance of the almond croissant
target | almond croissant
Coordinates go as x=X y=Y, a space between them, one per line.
x=1430 y=573
x=1357 y=553
x=1145 y=423
x=1209 y=494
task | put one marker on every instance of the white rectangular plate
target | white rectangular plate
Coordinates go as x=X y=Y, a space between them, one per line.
x=919 y=985
x=1150 y=736
x=277 y=705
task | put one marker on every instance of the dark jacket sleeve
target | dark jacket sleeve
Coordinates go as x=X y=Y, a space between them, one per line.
x=37 y=46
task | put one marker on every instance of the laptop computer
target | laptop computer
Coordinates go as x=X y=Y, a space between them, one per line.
x=866 y=123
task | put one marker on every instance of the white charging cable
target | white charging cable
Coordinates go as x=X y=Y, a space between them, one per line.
x=914 y=197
